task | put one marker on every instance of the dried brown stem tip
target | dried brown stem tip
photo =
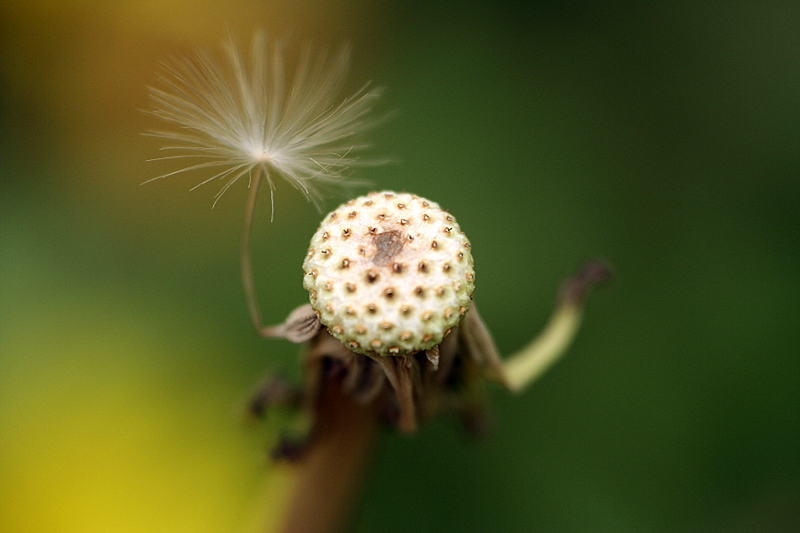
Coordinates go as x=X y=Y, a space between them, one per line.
x=577 y=288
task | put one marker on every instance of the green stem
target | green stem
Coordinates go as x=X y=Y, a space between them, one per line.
x=525 y=367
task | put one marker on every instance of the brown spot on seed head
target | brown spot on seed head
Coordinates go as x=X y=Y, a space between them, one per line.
x=427 y=337
x=376 y=343
x=425 y=217
x=353 y=345
x=350 y=287
x=403 y=221
x=388 y=244
x=446 y=267
x=422 y=266
x=434 y=244
x=360 y=330
x=337 y=329
x=426 y=315
x=397 y=268
x=325 y=236
x=389 y=293
x=345 y=262
x=387 y=325
x=419 y=291
x=394 y=350
x=352 y=214
x=406 y=336
x=345 y=233
x=372 y=308
x=372 y=276
x=349 y=310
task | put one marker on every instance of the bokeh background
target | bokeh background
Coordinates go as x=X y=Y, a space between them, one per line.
x=663 y=137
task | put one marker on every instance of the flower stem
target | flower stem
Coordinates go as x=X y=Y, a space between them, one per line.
x=329 y=476
x=246 y=252
x=247 y=260
x=525 y=366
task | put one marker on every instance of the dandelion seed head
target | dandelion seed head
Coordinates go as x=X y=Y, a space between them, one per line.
x=389 y=274
x=248 y=116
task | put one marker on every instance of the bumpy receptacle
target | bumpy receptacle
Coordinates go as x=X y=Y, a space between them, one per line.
x=389 y=274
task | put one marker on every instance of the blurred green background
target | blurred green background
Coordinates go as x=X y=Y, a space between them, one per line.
x=664 y=138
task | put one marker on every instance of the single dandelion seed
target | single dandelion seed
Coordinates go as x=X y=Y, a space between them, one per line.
x=240 y=116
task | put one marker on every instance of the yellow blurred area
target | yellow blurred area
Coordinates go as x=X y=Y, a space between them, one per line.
x=101 y=429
